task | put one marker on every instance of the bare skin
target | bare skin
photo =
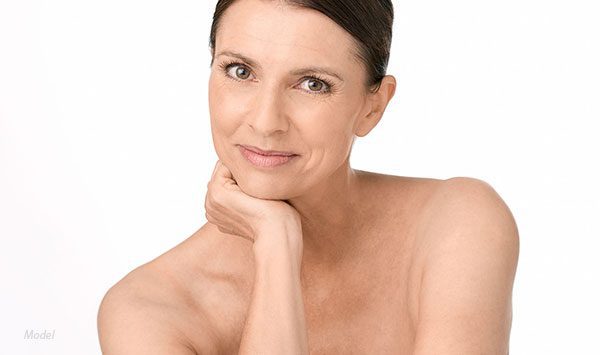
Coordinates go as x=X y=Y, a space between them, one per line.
x=366 y=303
x=372 y=263
x=195 y=297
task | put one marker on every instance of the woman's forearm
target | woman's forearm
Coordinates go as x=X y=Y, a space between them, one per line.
x=275 y=322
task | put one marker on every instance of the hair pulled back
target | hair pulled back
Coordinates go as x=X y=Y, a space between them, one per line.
x=368 y=21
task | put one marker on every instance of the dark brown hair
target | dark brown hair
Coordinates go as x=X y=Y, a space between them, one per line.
x=368 y=21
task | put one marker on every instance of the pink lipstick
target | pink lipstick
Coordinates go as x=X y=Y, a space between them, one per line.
x=265 y=159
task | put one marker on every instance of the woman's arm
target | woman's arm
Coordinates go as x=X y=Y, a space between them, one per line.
x=275 y=322
x=130 y=323
x=465 y=303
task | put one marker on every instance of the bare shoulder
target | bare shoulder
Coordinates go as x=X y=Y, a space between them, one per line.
x=135 y=317
x=471 y=246
x=158 y=307
x=459 y=205
x=463 y=216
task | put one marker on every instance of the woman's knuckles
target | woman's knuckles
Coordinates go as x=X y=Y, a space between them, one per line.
x=235 y=212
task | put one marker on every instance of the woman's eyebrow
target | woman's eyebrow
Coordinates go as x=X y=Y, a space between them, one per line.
x=240 y=56
x=313 y=70
x=300 y=71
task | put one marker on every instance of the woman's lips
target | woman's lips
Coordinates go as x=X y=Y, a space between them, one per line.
x=265 y=161
x=265 y=152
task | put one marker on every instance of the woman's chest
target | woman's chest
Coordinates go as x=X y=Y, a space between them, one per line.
x=370 y=318
x=373 y=312
x=368 y=309
x=373 y=327
x=366 y=305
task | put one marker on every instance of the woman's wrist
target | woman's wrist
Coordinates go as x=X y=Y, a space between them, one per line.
x=275 y=322
x=276 y=237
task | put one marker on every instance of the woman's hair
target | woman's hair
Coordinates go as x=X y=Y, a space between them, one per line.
x=368 y=21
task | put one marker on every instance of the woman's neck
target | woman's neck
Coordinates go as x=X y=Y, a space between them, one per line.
x=330 y=213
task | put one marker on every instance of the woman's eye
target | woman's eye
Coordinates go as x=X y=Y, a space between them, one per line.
x=238 y=71
x=316 y=86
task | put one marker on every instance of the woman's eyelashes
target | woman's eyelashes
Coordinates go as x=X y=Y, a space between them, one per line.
x=226 y=67
x=241 y=72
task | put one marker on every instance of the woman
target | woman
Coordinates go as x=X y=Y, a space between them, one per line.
x=301 y=253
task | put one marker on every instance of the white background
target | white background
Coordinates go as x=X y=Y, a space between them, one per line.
x=105 y=148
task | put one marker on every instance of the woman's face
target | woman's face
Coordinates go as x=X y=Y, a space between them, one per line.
x=298 y=88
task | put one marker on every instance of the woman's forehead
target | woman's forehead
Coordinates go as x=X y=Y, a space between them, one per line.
x=267 y=29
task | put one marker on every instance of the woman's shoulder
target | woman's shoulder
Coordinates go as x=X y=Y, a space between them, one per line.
x=471 y=246
x=466 y=215
x=141 y=312
x=445 y=212
x=466 y=251
x=433 y=198
x=169 y=296
x=465 y=201
x=457 y=206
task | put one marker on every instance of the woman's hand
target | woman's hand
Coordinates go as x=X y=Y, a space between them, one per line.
x=274 y=228
x=235 y=212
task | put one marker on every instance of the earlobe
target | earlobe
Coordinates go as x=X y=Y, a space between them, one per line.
x=367 y=123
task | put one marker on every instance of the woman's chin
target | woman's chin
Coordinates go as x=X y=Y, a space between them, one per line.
x=263 y=189
x=264 y=192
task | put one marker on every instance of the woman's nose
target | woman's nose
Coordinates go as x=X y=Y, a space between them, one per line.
x=268 y=114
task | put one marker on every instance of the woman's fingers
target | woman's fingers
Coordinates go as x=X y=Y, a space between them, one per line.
x=221 y=172
x=226 y=174
x=214 y=170
x=212 y=176
x=218 y=197
x=234 y=211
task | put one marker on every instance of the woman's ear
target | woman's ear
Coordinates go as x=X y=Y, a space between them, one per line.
x=378 y=101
